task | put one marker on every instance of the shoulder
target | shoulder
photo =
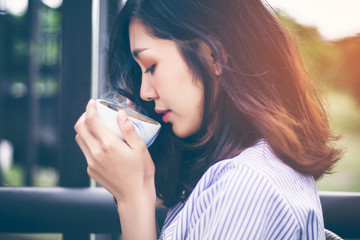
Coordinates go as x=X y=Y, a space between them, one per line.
x=247 y=179
x=257 y=188
x=258 y=159
x=233 y=199
x=261 y=162
x=258 y=171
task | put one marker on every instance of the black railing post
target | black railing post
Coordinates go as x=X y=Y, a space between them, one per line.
x=74 y=93
x=32 y=129
x=2 y=80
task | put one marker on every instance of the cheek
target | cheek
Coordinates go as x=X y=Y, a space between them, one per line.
x=170 y=81
x=193 y=112
x=163 y=74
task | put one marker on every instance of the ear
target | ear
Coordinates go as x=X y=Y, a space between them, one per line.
x=214 y=62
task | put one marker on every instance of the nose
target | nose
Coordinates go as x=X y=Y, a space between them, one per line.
x=147 y=89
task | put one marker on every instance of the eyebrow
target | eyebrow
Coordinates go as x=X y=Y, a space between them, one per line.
x=137 y=51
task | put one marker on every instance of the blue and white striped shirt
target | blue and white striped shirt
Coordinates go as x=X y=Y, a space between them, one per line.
x=251 y=196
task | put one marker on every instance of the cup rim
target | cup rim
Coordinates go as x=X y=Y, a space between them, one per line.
x=130 y=112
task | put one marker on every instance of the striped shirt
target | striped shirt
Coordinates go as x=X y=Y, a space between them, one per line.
x=251 y=196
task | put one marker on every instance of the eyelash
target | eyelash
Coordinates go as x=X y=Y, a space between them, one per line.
x=151 y=69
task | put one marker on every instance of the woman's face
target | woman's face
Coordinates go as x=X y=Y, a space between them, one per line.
x=167 y=80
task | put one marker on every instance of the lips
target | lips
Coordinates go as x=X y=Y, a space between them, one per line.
x=165 y=114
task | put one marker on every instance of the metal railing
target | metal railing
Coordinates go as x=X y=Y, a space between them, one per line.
x=92 y=210
x=59 y=210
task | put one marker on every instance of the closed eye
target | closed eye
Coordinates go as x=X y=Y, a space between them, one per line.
x=150 y=69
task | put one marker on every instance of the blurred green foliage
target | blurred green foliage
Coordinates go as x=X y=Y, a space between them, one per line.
x=44 y=176
x=335 y=65
x=345 y=120
x=319 y=56
x=13 y=177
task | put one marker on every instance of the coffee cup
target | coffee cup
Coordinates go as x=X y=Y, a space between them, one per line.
x=147 y=128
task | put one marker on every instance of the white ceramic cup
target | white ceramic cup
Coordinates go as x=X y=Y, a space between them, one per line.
x=147 y=128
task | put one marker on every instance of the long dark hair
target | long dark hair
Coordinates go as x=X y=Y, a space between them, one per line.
x=264 y=91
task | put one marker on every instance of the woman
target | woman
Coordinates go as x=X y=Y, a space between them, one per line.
x=244 y=134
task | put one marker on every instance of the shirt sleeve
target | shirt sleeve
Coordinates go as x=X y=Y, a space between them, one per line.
x=240 y=203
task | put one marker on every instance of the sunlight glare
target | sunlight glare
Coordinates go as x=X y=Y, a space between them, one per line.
x=17 y=7
x=333 y=18
x=52 y=3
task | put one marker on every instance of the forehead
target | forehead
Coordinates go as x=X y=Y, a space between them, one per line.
x=141 y=38
x=139 y=35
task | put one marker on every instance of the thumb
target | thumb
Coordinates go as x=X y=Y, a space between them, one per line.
x=127 y=129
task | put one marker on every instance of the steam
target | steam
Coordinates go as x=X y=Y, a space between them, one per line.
x=111 y=95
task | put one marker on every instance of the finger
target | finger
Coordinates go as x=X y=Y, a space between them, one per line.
x=85 y=149
x=93 y=170
x=128 y=130
x=83 y=131
x=92 y=148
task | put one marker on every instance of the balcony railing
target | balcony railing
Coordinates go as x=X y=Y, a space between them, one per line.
x=92 y=210
x=59 y=210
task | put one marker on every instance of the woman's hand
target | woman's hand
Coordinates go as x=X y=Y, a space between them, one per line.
x=124 y=168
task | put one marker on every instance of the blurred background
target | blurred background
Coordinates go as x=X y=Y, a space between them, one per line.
x=30 y=46
x=31 y=63
x=328 y=34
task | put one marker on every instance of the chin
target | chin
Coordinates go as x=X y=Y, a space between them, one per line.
x=182 y=132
